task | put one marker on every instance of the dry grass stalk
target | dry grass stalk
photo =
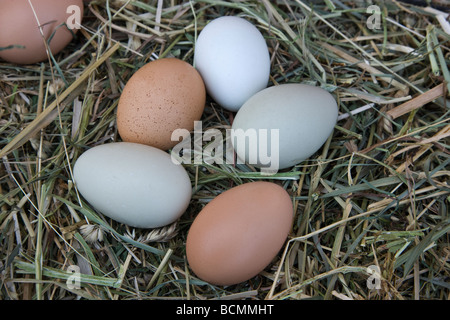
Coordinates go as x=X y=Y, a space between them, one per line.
x=418 y=101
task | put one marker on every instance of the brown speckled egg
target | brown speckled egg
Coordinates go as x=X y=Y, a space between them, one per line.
x=238 y=233
x=20 y=35
x=162 y=96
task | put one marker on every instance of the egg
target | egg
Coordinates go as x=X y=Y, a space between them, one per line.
x=238 y=233
x=162 y=96
x=20 y=36
x=233 y=59
x=132 y=183
x=289 y=122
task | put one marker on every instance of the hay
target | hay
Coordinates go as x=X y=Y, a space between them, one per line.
x=371 y=206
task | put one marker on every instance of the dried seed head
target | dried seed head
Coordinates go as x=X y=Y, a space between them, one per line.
x=92 y=233
x=162 y=234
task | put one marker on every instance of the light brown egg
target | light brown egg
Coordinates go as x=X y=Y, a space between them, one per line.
x=162 y=96
x=239 y=232
x=20 y=35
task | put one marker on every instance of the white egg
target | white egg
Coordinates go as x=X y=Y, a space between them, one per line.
x=233 y=59
x=283 y=125
x=134 y=184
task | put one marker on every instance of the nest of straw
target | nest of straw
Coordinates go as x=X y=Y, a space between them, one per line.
x=371 y=206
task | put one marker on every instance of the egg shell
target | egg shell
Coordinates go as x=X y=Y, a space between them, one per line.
x=233 y=59
x=19 y=27
x=162 y=96
x=134 y=184
x=304 y=116
x=238 y=233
